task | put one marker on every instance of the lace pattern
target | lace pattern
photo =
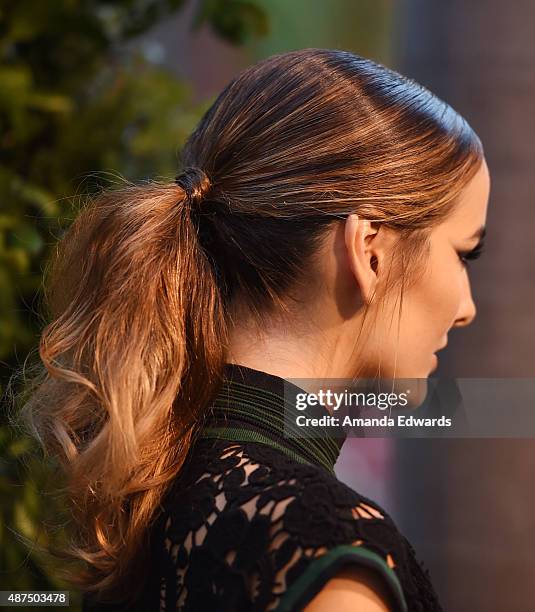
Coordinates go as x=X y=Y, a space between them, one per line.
x=247 y=521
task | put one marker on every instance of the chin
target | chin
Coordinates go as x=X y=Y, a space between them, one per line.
x=414 y=380
x=418 y=391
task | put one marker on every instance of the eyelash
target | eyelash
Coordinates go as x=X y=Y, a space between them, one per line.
x=467 y=256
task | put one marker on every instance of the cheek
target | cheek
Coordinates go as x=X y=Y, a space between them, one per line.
x=443 y=296
x=441 y=293
x=431 y=305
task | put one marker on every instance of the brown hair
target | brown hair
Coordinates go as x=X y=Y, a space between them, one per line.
x=143 y=286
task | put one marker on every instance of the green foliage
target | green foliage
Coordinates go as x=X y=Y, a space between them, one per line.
x=73 y=102
x=236 y=20
x=23 y=479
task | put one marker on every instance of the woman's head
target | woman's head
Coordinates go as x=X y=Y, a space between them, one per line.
x=293 y=146
x=152 y=282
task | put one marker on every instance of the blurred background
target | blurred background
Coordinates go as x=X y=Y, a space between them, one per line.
x=96 y=89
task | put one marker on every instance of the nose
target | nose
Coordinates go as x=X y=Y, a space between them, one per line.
x=467 y=308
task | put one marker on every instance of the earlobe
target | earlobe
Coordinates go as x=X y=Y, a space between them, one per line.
x=363 y=262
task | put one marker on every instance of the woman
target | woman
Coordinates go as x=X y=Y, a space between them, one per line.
x=320 y=228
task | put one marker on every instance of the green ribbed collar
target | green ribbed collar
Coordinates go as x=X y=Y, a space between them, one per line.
x=251 y=407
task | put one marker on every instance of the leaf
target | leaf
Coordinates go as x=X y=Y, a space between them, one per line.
x=50 y=102
x=19 y=259
x=20 y=446
x=27 y=237
x=22 y=520
x=36 y=195
x=15 y=84
x=234 y=20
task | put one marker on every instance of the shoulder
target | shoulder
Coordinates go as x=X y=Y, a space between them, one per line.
x=321 y=525
x=252 y=508
x=319 y=509
x=330 y=532
x=306 y=502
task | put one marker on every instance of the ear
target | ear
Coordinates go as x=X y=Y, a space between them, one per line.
x=364 y=253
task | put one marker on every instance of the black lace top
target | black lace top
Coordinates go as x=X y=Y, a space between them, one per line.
x=257 y=519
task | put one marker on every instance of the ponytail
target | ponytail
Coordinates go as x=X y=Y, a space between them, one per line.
x=133 y=355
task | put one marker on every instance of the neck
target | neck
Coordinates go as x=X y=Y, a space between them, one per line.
x=316 y=356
